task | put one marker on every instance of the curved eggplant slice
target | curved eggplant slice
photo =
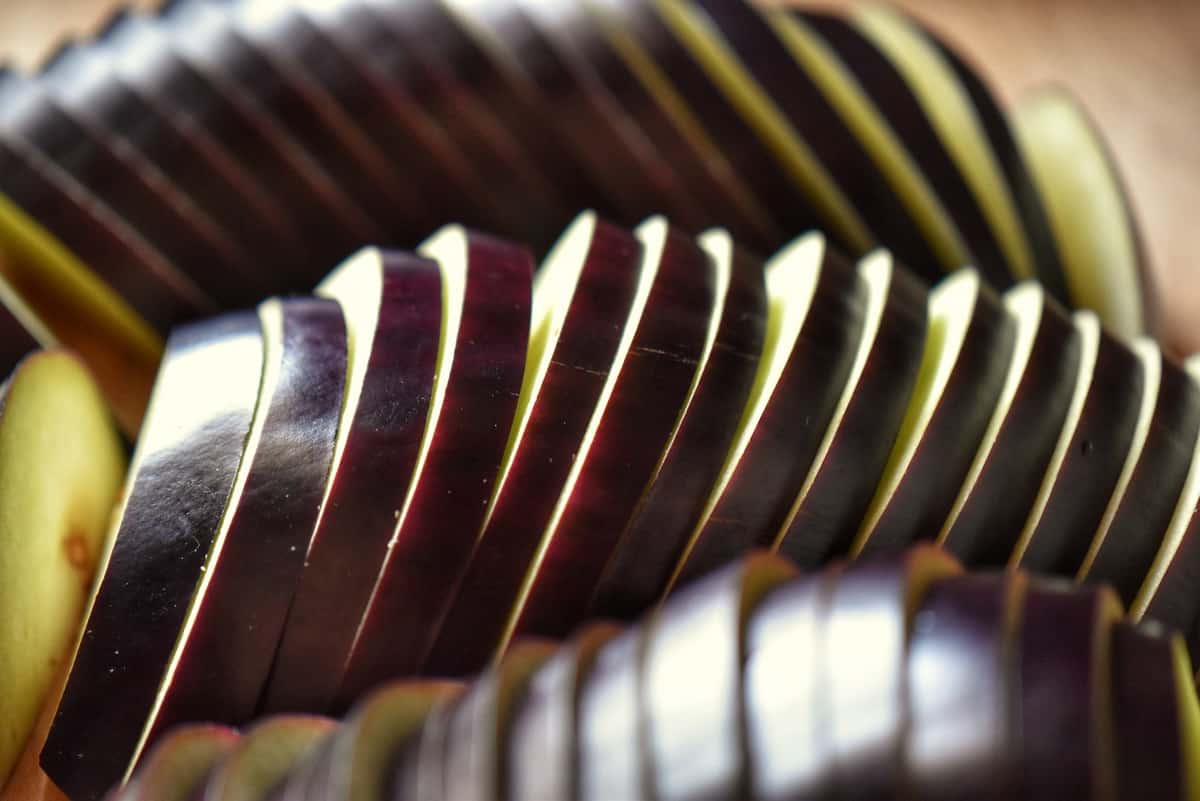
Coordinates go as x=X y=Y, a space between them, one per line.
x=1020 y=439
x=61 y=470
x=465 y=439
x=224 y=657
x=905 y=117
x=177 y=768
x=839 y=485
x=172 y=524
x=695 y=721
x=418 y=771
x=641 y=565
x=957 y=120
x=402 y=313
x=968 y=350
x=612 y=756
x=1066 y=716
x=263 y=758
x=863 y=667
x=1089 y=211
x=21 y=332
x=1109 y=399
x=1139 y=514
x=962 y=689
x=542 y=740
x=817 y=304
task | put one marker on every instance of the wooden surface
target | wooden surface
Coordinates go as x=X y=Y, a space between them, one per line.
x=1135 y=65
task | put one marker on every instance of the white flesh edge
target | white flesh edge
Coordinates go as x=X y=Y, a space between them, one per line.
x=15 y=304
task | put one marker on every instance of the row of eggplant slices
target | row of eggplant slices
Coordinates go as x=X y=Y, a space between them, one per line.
x=436 y=453
x=974 y=685
x=212 y=154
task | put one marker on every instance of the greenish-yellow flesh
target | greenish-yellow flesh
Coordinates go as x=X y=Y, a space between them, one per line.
x=951 y=306
x=264 y=756
x=952 y=114
x=179 y=763
x=61 y=469
x=1087 y=326
x=1087 y=208
x=791 y=151
x=791 y=283
x=875 y=134
x=1025 y=302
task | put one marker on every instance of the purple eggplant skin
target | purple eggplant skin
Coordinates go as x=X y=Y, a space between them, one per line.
x=1060 y=541
x=1065 y=725
x=1147 y=709
x=16 y=342
x=169 y=521
x=1175 y=603
x=961 y=669
x=225 y=661
x=638 y=425
x=823 y=525
x=927 y=490
x=818 y=123
x=366 y=488
x=1135 y=535
x=982 y=534
x=639 y=570
x=756 y=501
x=726 y=127
x=611 y=750
x=431 y=545
x=470 y=629
x=886 y=88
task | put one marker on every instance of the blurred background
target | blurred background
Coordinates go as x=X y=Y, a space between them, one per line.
x=1135 y=65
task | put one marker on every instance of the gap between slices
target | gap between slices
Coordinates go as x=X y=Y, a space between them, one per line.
x=950 y=110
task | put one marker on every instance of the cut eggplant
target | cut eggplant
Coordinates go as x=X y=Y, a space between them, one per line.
x=541 y=750
x=263 y=757
x=224 y=657
x=177 y=768
x=968 y=350
x=611 y=747
x=594 y=278
x=816 y=319
x=1020 y=439
x=695 y=721
x=418 y=771
x=21 y=332
x=61 y=469
x=152 y=578
x=1132 y=530
x=645 y=557
x=1106 y=269
x=834 y=497
x=402 y=312
x=464 y=444
x=1109 y=399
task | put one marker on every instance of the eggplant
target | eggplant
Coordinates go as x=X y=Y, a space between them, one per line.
x=178 y=767
x=262 y=757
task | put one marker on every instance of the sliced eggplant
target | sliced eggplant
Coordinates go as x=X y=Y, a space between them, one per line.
x=177 y=768
x=263 y=757
x=611 y=748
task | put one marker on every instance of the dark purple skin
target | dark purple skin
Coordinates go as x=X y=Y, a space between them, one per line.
x=722 y=198
x=200 y=252
x=432 y=544
x=825 y=523
x=1175 y=602
x=1145 y=510
x=1092 y=465
x=756 y=501
x=514 y=103
x=16 y=342
x=983 y=534
x=613 y=150
x=933 y=477
x=640 y=567
x=961 y=666
x=227 y=657
x=886 y=88
x=88 y=81
x=1150 y=756
x=748 y=156
x=180 y=81
x=1046 y=256
x=611 y=756
x=636 y=429
x=469 y=631
x=118 y=255
x=172 y=514
x=418 y=72
x=366 y=488
x=541 y=759
x=833 y=143
x=1064 y=663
